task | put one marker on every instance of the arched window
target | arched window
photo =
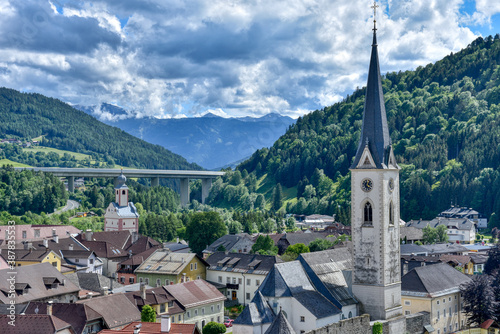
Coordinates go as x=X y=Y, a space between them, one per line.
x=368 y=214
x=391 y=214
x=123 y=192
x=350 y=314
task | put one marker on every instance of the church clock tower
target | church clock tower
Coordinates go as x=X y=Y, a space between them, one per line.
x=375 y=206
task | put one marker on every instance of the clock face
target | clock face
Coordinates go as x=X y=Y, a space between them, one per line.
x=391 y=184
x=367 y=185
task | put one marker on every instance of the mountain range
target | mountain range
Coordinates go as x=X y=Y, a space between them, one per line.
x=210 y=141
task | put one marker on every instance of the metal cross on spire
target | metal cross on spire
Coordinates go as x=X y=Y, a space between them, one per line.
x=375 y=6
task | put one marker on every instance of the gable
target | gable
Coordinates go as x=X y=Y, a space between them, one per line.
x=366 y=160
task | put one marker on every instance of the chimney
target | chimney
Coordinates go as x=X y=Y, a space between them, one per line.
x=165 y=323
x=105 y=290
x=88 y=235
x=129 y=253
x=137 y=329
x=89 y=295
x=25 y=244
x=70 y=247
x=143 y=291
x=55 y=238
x=177 y=239
x=135 y=237
x=49 y=307
x=46 y=243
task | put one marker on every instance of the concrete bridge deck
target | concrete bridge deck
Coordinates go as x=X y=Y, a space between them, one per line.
x=153 y=174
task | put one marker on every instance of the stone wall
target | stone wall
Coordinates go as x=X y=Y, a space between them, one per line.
x=415 y=322
x=356 y=325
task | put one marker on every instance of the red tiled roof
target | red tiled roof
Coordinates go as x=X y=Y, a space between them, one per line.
x=155 y=328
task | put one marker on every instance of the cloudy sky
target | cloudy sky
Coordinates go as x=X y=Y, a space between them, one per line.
x=176 y=58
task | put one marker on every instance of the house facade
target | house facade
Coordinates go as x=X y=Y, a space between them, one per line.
x=200 y=300
x=435 y=289
x=83 y=260
x=242 y=274
x=164 y=267
x=234 y=243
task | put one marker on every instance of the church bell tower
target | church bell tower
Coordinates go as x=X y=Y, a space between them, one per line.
x=375 y=206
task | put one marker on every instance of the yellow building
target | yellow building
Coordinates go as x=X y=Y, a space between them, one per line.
x=435 y=289
x=164 y=267
x=25 y=257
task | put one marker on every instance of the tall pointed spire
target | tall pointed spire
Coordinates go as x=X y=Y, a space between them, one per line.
x=375 y=132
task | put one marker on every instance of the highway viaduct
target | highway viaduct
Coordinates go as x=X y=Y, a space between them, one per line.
x=154 y=174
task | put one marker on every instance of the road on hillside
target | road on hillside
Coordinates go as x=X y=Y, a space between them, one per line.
x=70 y=205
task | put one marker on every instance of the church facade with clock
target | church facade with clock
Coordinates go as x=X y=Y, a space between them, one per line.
x=375 y=207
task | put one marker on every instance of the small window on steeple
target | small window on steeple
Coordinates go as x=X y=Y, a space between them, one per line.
x=368 y=214
x=123 y=192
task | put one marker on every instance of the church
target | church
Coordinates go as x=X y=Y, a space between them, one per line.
x=371 y=281
x=121 y=215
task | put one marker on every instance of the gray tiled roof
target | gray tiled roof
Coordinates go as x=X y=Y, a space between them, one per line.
x=195 y=293
x=433 y=280
x=162 y=261
x=408 y=249
x=331 y=267
x=242 y=262
x=280 y=325
x=128 y=211
x=445 y=248
x=34 y=275
x=257 y=312
x=290 y=279
x=228 y=241
x=462 y=224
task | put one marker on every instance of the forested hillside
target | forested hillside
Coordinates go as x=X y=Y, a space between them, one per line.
x=27 y=116
x=444 y=121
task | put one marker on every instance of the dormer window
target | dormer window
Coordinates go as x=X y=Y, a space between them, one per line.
x=51 y=282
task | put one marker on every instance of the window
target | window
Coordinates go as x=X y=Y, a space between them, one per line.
x=218 y=318
x=391 y=214
x=158 y=282
x=123 y=192
x=167 y=282
x=234 y=280
x=229 y=293
x=449 y=299
x=211 y=309
x=191 y=266
x=131 y=280
x=162 y=308
x=122 y=279
x=257 y=282
x=239 y=281
x=195 y=312
x=198 y=277
x=228 y=279
x=179 y=318
x=444 y=313
x=407 y=302
x=24 y=235
x=368 y=214
x=438 y=317
x=188 y=314
x=407 y=312
x=77 y=260
x=37 y=233
x=202 y=310
x=54 y=264
x=147 y=281
x=220 y=279
x=195 y=266
x=218 y=308
x=350 y=314
x=438 y=302
x=302 y=319
x=444 y=300
x=248 y=296
x=248 y=281
x=140 y=279
x=444 y=329
x=91 y=261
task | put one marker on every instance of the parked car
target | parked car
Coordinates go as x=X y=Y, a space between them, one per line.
x=228 y=322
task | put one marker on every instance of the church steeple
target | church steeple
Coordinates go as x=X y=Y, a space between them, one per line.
x=374 y=133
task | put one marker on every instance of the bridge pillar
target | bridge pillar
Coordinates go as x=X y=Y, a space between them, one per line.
x=155 y=181
x=184 y=191
x=71 y=184
x=206 y=184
